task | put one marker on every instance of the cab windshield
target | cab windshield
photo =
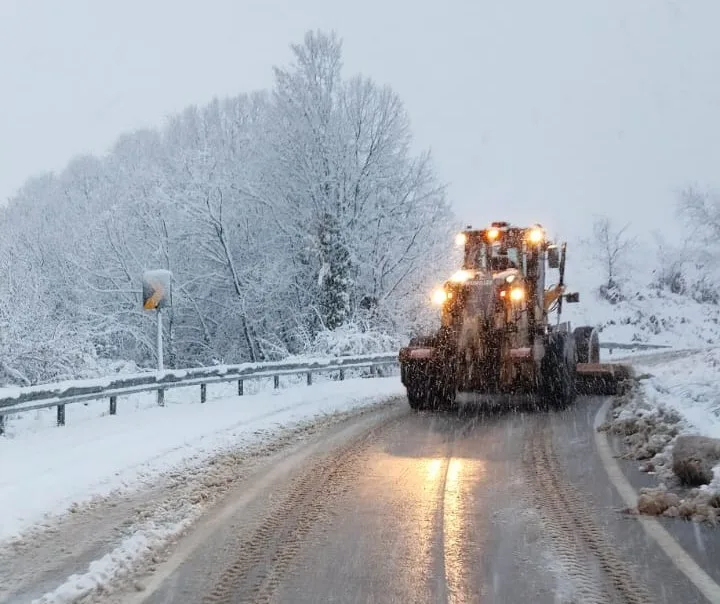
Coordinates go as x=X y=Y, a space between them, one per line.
x=492 y=258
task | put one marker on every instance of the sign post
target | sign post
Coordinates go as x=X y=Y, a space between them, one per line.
x=160 y=341
x=156 y=296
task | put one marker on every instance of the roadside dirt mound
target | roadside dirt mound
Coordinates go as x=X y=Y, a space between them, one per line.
x=648 y=433
x=657 y=436
x=694 y=458
x=698 y=506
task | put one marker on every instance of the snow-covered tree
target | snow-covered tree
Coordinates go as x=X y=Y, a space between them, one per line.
x=611 y=247
x=670 y=274
x=342 y=169
x=700 y=213
x=285 y=216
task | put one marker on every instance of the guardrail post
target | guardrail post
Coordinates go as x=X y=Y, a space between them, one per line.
x=84 y=392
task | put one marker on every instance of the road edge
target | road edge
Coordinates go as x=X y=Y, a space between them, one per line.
x=677 y=554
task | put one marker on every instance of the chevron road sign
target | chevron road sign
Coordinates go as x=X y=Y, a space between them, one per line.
x=156 y=296
x=156 y=289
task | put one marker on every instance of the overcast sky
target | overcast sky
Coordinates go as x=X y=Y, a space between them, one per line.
x=535 y=111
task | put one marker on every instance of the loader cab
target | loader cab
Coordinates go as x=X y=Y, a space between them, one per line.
x=515 y=258
x=501 y=247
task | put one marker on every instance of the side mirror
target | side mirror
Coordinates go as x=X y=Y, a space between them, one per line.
x=553 y=256
x=573 y=298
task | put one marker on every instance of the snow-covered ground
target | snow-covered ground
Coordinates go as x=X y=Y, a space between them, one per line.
x=47 y=470
x=683 y=385
x=647 y=314
x=678 y=395
x=689 y=385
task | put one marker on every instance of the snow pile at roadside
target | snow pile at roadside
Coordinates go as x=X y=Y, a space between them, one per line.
x=42 y=419
x=190 y=489
x=675 y=398
x=47 y=470
x=197 y=452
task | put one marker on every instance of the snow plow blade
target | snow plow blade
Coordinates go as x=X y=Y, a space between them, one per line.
x=603 y=378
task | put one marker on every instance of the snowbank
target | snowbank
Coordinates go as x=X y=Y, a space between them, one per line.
x=47 y=470
x=690 y=385
x=676 y=397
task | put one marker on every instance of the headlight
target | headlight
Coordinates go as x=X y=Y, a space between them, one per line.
x=439 y=296
x=460 y=239
x=536 y=235
x=493 y=234
x=517 y=294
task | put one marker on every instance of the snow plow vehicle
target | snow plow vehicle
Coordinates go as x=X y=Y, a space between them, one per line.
x=496 y=334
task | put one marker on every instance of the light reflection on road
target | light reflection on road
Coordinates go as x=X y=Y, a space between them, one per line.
x=461 y=476
x=433 y=467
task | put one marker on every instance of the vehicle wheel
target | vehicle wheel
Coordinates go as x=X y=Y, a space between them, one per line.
x=415 y=400
x=417 y=386
x=420 y=394
x=443 y=397
x=587 y=343
x=558 y=369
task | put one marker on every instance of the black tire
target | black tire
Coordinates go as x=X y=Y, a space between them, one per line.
x=587 y=344
x=426 y=396
x=432 y=386
x=558 y=372
x=416 y=383
x=442 y=396
x=415 y=399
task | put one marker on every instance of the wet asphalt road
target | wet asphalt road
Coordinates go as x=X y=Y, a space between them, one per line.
x=450 y=508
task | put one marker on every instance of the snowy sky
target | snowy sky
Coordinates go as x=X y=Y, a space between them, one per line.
x=535 y=111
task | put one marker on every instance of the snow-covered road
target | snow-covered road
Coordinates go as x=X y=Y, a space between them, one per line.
x=46 y=470
x=137 y=482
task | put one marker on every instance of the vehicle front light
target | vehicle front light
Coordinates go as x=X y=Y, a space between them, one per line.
x=517 y=294
x=460 y=239
x=536 y=235
x=439 y=296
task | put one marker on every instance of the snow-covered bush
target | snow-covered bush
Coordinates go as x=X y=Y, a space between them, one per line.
x=351 y=339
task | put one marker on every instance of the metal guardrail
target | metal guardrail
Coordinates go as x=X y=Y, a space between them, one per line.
x=19 y=400
x=632 y=346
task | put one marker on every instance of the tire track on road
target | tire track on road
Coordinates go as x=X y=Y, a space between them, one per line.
x=579 y=542
x=264 y=559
